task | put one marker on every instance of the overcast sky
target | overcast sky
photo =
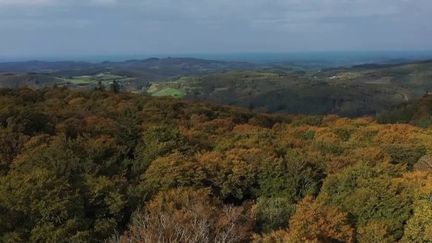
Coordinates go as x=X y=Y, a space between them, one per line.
x=113 y=27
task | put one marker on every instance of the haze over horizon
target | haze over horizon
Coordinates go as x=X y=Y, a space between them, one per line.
x=33 y=28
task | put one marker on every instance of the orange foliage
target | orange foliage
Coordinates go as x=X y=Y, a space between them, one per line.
x=315 y=222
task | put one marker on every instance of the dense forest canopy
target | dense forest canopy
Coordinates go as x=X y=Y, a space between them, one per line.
x=94 y=166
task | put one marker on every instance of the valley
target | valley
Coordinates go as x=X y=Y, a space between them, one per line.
x=273 y=87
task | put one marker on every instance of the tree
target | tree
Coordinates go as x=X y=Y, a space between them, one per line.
x=419 y=227
x=408 y=154
x=374 y=231
x=273 y=213
x=232 y=175
x=293 y=177
x=11 y=144
x=370 y=194
x=174 y=170
x=187 y=215
x=105 y=202
x=156 y=142
x=40 y=207
x=115 y=87
x=99 y=86
x=31 y=121
x=315 y=222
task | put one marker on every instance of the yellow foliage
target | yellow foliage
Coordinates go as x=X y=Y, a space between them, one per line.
x=396 y=134
x=325 y=135
x=369 y=155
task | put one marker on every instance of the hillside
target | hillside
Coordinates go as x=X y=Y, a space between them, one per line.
x=151 y=68
x=417 y=112
x=414 y=76
x=87 y=166
x=356 y=91
x=274 y=87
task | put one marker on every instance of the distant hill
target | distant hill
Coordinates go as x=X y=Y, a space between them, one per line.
x=42 y=66
x=387 y=64
x=356 y=91
x=160 y=66
x=135 y=73
x=368 y=89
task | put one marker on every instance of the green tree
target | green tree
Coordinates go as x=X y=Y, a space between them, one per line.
x=105 y=202
x=115 y=87
x=273 y=213
x=156 y=141
x=40 y=207
x=370 y=194
x=419 y=226
x=293 y=177
x=11 y=144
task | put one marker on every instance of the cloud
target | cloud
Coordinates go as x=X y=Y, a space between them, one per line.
x=201 y=25
x=21 y=3
x=26 y=2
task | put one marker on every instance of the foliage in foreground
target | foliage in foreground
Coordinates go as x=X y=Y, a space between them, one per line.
x=86 y=166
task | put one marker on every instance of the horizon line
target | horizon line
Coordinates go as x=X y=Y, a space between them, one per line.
x=200 y=55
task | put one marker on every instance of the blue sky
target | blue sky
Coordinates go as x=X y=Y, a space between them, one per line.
x=123 y=27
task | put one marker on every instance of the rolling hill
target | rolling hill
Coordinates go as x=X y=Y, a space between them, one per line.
x=366 y=89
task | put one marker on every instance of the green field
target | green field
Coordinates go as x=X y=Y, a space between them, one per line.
x=170 y=92
x=104 y=78
x=81 y=80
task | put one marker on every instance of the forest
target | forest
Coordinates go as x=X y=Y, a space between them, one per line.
x=107 y=166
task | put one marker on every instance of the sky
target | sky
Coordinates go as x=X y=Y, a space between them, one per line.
x=31 y=28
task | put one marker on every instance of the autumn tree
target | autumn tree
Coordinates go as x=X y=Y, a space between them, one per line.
x=187 y=215
x=314 y=222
